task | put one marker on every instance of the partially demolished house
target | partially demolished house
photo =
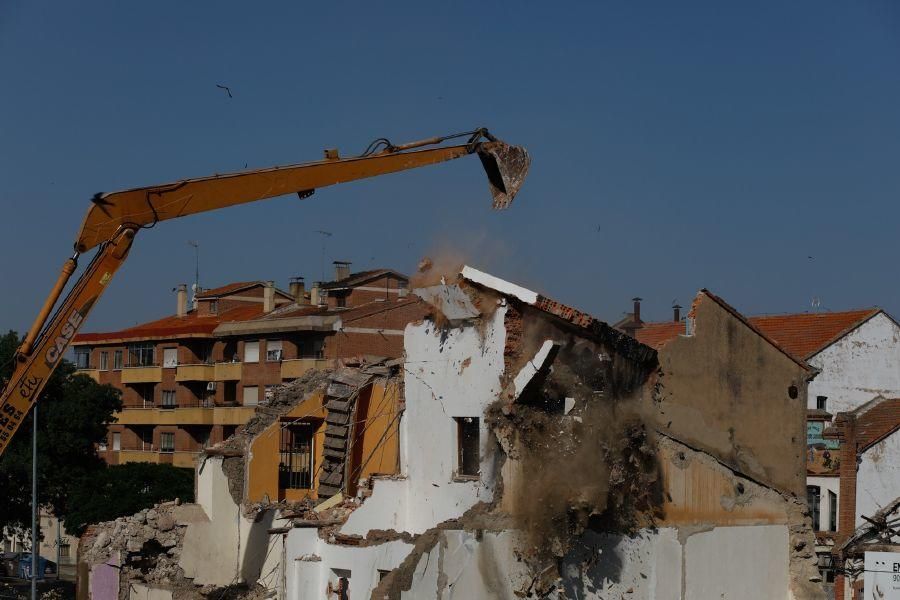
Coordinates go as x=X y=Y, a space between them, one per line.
x=520 y=449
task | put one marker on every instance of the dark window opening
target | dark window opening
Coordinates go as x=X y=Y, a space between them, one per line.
x=832 y=508
x=141 y=355
x=813 y=500
x=793 y=392
x=295 y=465
x=167 y=442
x=468 y=445
x=822 y=402
x=83 y=358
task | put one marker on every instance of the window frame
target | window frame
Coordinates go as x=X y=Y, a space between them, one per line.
x=274 y=350
x=814 y=503
x=247 y=346
x=163 y=448
x=104 y=360
x=82 y=357
x=463 y=470
x=169 y=394
x=142 y=354
x=244 y=395
x=118 y=360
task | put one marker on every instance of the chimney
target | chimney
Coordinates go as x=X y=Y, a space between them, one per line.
x=676 y=313
x=269 y=297
x=341 y=270
x=181 y=295
x=314 y=293
x=298 y=290
x=636 y=315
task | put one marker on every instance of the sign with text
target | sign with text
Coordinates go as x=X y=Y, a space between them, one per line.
x=882 y=578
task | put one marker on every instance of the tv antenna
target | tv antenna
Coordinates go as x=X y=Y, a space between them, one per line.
x=196 y=246
x=325 y=235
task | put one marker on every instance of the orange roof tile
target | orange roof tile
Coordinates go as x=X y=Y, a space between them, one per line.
x=228 y=289
x=174 y=326
x=805 y=334
x=657 y=334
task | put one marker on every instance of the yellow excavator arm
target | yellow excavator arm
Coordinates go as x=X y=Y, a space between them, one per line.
x=115 y=218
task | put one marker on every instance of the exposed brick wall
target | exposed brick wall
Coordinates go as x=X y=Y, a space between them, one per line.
x=857 y=432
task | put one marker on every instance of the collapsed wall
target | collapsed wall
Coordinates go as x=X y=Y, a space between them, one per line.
x=536 y=461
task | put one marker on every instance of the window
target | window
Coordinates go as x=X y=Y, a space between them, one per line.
x=168 y=399
x=146 y=436
x=812 y=499
x=117 y=441
x=833 y=508
x=101 y=447
x=251 y=352
x=117 y=360
x=340 y=301
x=273 y=350
x=64 y=550
x=83 y=358
x=146 y=391
x=295 y=466
x=170 y=358
x=213 y=307
x=468 y=444
x=141 y=355
x=310 y=349
x=251 y=395
x=822 y=402
x=167 y=442
x=104 y=361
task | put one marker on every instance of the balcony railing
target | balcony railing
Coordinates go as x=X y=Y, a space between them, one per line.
x=192 y=415
x=227 y=371
x=195 y=372
x=177 y=458
x=92 y=373
x=150 y=374
x=296 y=367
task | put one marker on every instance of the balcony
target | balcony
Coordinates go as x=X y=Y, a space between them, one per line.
x=178 y=459
x=198 y=372
x=92 y=373
x=142 y=374
x=227 y=371
x=294 y=368
x=194 y=415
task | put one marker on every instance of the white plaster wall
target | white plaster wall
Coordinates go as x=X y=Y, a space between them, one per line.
x=603 y=567
x=826 y=484
x=863 y=364
x=878 y=477
x=312 y=560
x=738 y=563
x=429 y=495
x=228 y=548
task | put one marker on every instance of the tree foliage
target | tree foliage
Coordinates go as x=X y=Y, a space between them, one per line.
x=73 y=414
x=122 y=490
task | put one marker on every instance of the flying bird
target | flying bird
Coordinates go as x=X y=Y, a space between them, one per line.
x=226 y=88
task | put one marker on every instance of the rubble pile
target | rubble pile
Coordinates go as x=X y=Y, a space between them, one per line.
x=148 y=543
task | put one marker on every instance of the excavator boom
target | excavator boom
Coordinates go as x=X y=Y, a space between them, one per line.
x=115 y=218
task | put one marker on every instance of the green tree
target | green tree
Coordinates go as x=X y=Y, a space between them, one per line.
x=73 y=414
x=126 y=489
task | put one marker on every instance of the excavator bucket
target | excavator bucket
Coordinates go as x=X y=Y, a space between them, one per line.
x=506 y=167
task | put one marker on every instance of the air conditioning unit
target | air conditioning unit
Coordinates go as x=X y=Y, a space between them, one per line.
x=211 y=386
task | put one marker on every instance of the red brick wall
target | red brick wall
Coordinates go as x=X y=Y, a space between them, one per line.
x=856 y=434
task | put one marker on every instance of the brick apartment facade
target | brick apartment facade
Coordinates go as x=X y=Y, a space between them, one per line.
x=190 y=379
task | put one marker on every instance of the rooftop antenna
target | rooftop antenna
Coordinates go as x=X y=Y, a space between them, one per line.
x=815 y=303
x=325 y=235
x=196 y=286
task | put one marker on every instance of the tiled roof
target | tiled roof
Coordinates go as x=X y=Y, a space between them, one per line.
x=657 y=334
x=174 y=326
x=347 y=314
x=228 y=289
x=805 y=334
x=361 y=277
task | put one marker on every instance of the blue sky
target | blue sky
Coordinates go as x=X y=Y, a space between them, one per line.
x=675 y=145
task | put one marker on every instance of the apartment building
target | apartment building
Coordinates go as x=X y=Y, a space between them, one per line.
x=191 y=379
